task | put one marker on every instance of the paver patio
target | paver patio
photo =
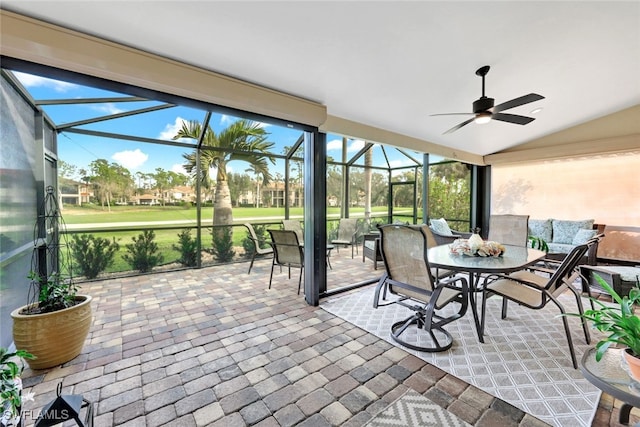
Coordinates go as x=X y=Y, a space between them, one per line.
x=215 y=347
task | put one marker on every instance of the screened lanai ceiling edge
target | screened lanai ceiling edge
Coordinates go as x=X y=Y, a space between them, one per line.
x=357 y=130
x=43 y=43
x=39 y=42
x=618 y=132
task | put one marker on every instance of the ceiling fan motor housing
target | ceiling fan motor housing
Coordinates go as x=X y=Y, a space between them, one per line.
x=482 y=104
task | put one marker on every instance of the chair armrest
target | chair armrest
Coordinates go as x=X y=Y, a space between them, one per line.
x=442 y=239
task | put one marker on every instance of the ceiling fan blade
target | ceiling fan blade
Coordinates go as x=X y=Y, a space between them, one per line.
x=516 y=102
x=512 y=118
x=451 y=114
x=455 y=128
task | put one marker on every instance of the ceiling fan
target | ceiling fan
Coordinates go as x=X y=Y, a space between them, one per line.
x=484 y=111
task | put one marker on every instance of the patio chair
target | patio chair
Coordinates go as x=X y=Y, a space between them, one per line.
x=257 y=249
x=294 y=225
x=442 y=234
x=347 y=234
x=287 y=252
x=535 y=291
x=509 y=229
x=431 y=242
x=408 y=278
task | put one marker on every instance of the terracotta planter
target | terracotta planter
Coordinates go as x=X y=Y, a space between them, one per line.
x=634 y=364
x=54 y=338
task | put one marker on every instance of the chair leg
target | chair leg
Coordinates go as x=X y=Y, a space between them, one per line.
x=504 y=307
x=585 y=326
x=300 y=280
x=381 y=283
x=251 y=265
x=569 y=340
x=273 y=264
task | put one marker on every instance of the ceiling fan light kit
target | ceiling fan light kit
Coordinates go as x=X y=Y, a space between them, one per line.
x=484 y=110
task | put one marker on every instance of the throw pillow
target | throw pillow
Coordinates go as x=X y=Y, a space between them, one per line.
x=582 y=236
x=564 y=231
x=540 y=228
x=440 y=226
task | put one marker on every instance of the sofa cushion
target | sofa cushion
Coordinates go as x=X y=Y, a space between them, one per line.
x=560 y=248
x=540 y=228
x=565 y=231
x=440 y=226
x=582 y=236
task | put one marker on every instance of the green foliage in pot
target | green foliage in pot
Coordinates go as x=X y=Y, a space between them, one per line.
x=619 y=322
x=54 y=293
x=11 y=367
x=538 y=243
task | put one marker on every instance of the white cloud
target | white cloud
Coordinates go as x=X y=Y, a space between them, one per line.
x=171 y=129
x=355 y=145
x=334 y=144
x=178 y=168
x=30 y=81
x=130 y=159
x=109 y=108
x=227 y=120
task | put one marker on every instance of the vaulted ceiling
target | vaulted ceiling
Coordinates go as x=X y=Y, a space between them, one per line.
x=391 y=65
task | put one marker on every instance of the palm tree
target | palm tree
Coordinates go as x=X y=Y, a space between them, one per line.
x=242 y=140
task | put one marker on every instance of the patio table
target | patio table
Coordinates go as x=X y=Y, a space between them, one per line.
x=611 y=376
x=514 y=258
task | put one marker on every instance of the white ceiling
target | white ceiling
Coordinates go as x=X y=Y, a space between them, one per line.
x=392 y=64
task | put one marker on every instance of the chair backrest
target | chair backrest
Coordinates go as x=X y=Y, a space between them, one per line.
x=428 y=234
x=347 y=229
x=558 y=281
x=256 y=241
x=294 y=225
x=286 y=248
x=404 y=253
x=509 y=229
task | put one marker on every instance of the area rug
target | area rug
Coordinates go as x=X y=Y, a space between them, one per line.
x=525 y=359
x=414 y=410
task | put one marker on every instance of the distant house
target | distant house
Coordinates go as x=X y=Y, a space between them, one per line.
x=74 y=192
x=146 y=199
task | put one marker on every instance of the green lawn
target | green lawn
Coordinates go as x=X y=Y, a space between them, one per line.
x=95 y=214
x=167 y=238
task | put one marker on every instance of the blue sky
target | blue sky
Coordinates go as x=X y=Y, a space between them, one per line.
x=81 y=150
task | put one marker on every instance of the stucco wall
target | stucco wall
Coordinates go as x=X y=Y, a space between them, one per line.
x=605 y=188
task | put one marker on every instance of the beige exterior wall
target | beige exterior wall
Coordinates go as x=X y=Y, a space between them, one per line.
x=605 y=188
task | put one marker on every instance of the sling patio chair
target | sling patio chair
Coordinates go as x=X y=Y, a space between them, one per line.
x=257 y=245
x=287 y=252
x=409 y=280
x=347 y=234
x=535 y=291
x=509 y=229
x=294 y=225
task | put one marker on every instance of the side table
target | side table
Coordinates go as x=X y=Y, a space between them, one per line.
x=609 y=376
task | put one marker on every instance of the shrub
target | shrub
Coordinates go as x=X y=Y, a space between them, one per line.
x=188 y=248
x=261 y=234
x=93 y=254
x=223 y=244
x=142 y=253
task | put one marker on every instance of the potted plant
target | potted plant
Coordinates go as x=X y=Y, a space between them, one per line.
x=620 y=323
x=11 y=366
x=56 y=320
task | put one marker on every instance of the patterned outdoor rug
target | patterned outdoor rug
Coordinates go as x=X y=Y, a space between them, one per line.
x=414 y=410
x=525 y=358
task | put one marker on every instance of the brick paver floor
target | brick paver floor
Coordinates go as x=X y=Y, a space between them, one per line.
x=214 y=347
